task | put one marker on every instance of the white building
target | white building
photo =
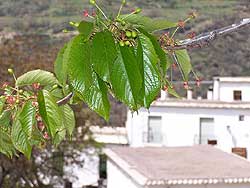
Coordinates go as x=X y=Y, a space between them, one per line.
x=176 y=167
x=223 y=119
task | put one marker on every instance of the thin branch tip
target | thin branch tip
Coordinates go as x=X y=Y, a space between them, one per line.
x=65 y=100
x=205 y=39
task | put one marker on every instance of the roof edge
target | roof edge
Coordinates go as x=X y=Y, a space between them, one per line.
x=201 y=181
x=128 y=169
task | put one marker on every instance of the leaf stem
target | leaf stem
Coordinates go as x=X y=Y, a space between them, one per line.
x=119 y=12
x=177 y=28
x=195 y=75
x=128 y=15
x=101 y=11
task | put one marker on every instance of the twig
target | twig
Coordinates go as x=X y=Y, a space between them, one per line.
x=205 y=39
x=65 y=100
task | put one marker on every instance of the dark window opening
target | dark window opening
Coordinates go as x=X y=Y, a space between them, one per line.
x=237 y=95
x=103 y=166
x=241 y=117
x=212 y=142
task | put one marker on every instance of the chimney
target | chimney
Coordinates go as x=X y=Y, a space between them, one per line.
x=189 y=94
x=164 y=95
x=216 y=94
x=210 y=93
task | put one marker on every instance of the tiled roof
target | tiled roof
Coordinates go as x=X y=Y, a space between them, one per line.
x=180 y=165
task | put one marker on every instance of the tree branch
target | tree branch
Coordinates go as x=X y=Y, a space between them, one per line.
x=205 y=38
x=197 y=42
x=65 y=100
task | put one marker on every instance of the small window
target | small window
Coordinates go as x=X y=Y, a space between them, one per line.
x=241 y=117
x=237 y=95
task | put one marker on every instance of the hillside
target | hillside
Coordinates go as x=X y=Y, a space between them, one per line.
x=53 y=15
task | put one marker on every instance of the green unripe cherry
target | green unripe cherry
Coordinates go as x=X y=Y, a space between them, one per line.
x=119 y=20
x=54 y=86
x=10 y=71
x=134 y=34
x=92 y=2
x=121 y=43
x=74 y=24
x=138 y=10
x=123 y=23
x=128 y=34
x=127 y=43
x=123 y=2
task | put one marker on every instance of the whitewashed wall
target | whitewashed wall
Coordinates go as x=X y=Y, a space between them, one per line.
x=117 y=178
x=226 y=89
x=180 y=126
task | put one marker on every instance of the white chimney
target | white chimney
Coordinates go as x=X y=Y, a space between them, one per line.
x=210 y=93
x=189 y=94
x=216 y=94
x=163 y=95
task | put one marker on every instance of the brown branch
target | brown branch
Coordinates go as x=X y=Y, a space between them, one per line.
x=65 y=100
x=205 y=38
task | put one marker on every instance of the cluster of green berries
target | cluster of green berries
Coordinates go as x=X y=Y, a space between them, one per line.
x=128 y=38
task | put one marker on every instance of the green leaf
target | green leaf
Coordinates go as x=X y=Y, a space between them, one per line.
x=6 y=146
x=37 y=76
x=83 y=79
x=5 y=118
x=104 y=54
x=68 y=118
x=148 y=59
x=57 y=93
x=51 y=115
x=184 y=63
x=27 y=118
x=126 y=78
x=77 y=56
x=147 y=23
x=22 y=129
x=2 y=103
x=85 y=28
x=20 y=139
x=97 y=97
x=171 y=90
x=164 y=63
x=60 y=67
